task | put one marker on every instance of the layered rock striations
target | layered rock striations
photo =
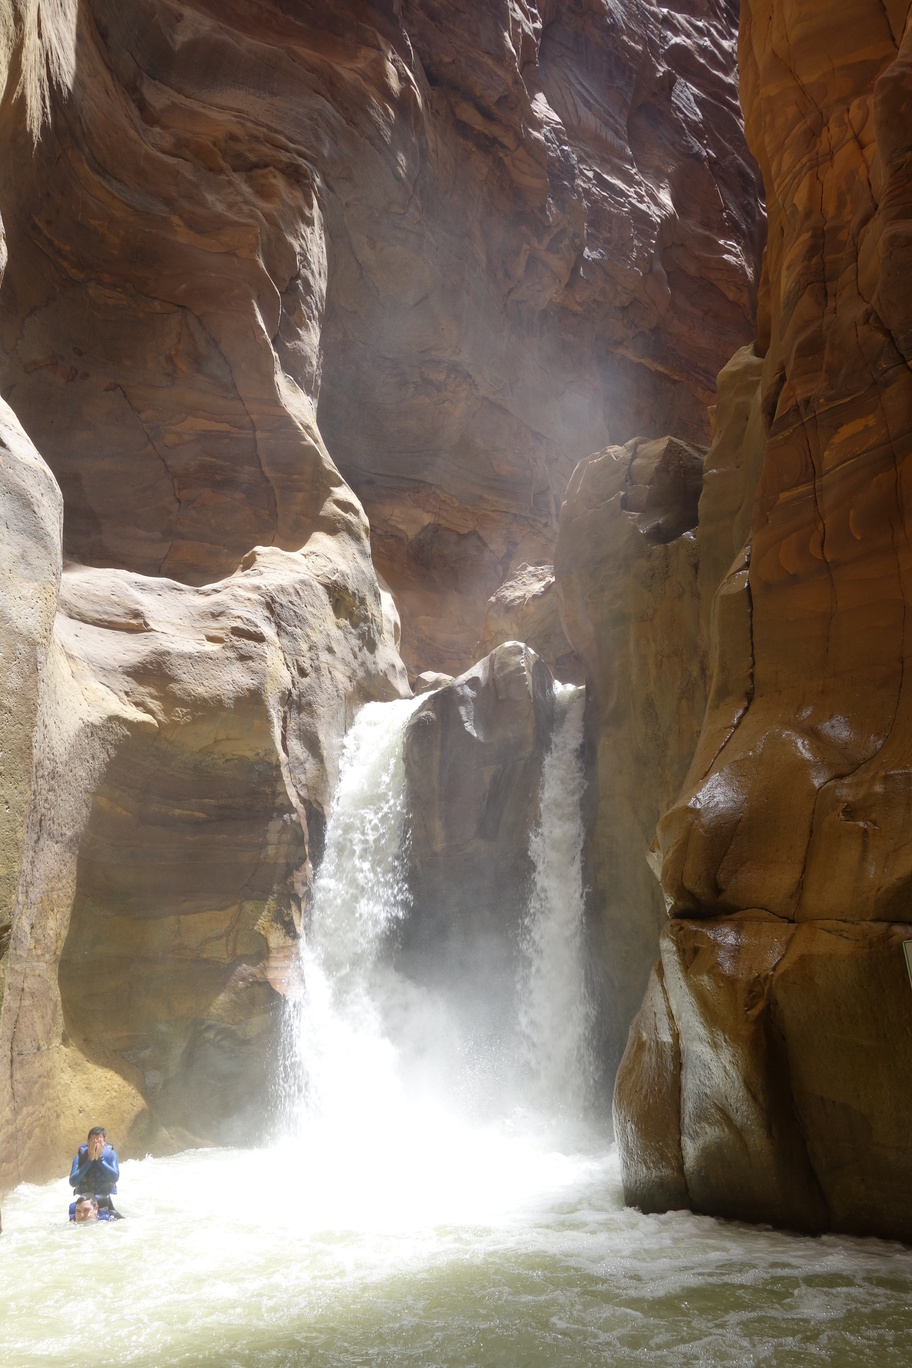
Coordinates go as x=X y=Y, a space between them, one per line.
x=763 y=1079
x=269 y=267
x=484 y=239
x=168 y=748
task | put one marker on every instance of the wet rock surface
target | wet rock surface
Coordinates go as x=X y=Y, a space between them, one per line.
x=473 y=757
x=784 y=858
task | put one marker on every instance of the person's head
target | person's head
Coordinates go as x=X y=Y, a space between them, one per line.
x=95 y=1142
x=86 y=1209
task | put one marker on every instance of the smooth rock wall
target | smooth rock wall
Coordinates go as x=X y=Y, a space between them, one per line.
x=473 y=761
x=781 y=1014
x=627 y=574
x=477 y=241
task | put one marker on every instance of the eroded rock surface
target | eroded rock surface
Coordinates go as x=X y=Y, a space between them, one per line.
x=187 y=744
x=188 y=741
x=484 y=238
x=526 y=608
x=785 y=858
x=627 y=575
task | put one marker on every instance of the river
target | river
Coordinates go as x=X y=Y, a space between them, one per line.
x=424 y=1203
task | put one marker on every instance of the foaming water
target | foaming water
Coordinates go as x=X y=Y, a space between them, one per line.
x=390 y=1225
x=526 y=1257
x=555 y=1013
x=340 y=1065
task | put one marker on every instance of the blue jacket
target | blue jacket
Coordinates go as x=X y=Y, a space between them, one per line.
x=95 y=1177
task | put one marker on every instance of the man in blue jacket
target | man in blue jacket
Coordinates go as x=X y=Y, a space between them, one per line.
x=95 y=1168
x=89 y=1209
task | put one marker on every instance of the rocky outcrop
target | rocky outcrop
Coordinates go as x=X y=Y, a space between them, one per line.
x=627 y=575
x=526 y=608
x=784 y=859
x=484 y=239
x=188 y=740
x=473 y=757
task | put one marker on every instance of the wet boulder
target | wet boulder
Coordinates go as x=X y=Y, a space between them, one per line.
x=473 y=760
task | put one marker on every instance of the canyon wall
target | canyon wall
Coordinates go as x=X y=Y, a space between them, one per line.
x=476 y=242
x=169 y=745
x=763 y=1076
x=272 y=271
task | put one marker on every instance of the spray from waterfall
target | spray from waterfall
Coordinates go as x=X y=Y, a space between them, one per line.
x=555 y=1011
x=367 y=1046
x=336 y=1055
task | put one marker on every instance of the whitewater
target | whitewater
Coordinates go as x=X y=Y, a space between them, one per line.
x=422 y=1201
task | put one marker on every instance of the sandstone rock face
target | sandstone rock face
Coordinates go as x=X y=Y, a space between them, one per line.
x=526 y=608
x=473 y=757
x=627 y=575
x=494 y=232
x=30 y=525
x=186 y=737
x=445 y=250
x=785 y=856
x=168 y=745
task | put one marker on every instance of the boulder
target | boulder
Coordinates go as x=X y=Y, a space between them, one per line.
x=473 y=756
x=526 y=608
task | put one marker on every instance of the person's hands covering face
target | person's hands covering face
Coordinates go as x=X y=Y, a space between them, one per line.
x=96 y=1145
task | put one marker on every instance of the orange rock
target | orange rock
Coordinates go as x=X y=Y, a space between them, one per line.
x=475 y=242
x=778 y=1063
x=627 y=576
x=785 y=859
x=810 y=780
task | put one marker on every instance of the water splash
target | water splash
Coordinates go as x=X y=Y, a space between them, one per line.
x=337 y=1059
x=555 y=1010
x=365 y=1046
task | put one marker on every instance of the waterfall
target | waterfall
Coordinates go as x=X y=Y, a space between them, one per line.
x=365 y=1044
x=390 y=1226
x=337 y=1057
x=555 y=1011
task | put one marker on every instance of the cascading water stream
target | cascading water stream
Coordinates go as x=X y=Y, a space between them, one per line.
x=338 y=1063
x=357 y=1026
x=555 y=1013
x=391 y=1227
